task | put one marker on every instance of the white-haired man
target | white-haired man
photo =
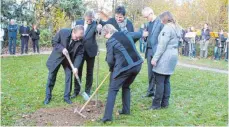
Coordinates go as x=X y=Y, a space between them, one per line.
x=154 y=27
x=90 y=50
x=124 y=63
x=12 y=35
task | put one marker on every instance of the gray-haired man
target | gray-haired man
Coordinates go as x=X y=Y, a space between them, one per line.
x=66 y=41
x=90 y=50
x=154 y=28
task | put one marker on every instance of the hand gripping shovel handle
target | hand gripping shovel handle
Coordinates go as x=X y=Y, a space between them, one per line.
x=85 y=96
x=70 y=62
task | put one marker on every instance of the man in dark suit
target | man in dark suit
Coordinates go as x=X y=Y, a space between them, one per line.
x=24 y=32
x=124 y=62
x=90 y=50
x=120 y=22
x=66 y=41
x=154 y=28
x=12 y=35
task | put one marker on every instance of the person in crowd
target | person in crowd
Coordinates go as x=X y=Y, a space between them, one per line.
x=124 y=64
x=66 y=41
x=142 y=44
x=219 y=45
x=226 y=48
x=182 y=42
x=35 y=36
x=2 y=32
x=205 y=37
x=120 y=22
x=186 y=43
x=192 y=44
x=24 y=31
x=142 y=41
x=12 y=35
x=90 y=50
x=164 y=60
x=154 y=28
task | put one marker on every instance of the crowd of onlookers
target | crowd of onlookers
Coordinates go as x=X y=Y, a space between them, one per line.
x=188 y=43
x=25 y=33
x=190 y=39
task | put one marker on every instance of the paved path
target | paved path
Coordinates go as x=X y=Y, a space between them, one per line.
x=202 y=68
x=18 y=54
x=103 y=50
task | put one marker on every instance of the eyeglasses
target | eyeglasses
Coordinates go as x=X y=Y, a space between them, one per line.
x=148 y=15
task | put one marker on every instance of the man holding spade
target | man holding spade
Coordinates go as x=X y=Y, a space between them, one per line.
x=65 y=42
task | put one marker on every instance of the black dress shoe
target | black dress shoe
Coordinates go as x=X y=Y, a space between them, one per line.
x=154 y=108
x=74 y=95
x=68 y=101
x=123 y=113
x=149 y=95
x=166 y=106
x=46 y=101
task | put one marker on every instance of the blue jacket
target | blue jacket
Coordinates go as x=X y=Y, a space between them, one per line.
x=122 y=54
x=205 y=35
x=12 y=31
x=153 y=36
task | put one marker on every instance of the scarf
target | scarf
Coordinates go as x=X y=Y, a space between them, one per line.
x=122 y=25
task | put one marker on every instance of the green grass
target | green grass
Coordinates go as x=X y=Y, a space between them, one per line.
x=197 y=98
x=221 y=64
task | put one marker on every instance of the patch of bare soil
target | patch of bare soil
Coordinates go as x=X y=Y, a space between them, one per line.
x=63 y=116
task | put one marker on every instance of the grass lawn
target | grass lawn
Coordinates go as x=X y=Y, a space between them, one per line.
x=221 y=64
x=197 y=98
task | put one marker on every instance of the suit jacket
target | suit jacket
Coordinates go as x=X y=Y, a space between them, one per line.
x=89 y=40
x=113 y=22
x=60 y=41
x=22 y=31
x=122 y=54
x=153 y=36
x=12 y=31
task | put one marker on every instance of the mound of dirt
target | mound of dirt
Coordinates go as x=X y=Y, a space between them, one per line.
x=64 y=116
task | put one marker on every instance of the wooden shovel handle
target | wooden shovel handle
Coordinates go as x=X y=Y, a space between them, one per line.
x=72 y=66
x=94 y=93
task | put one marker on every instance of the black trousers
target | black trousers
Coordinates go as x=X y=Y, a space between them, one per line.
x=24 y=44
x=162 y=93
x=35 y=45
x=89 y=76
x=151 y=77
x=52 y=79
x=124 y=80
